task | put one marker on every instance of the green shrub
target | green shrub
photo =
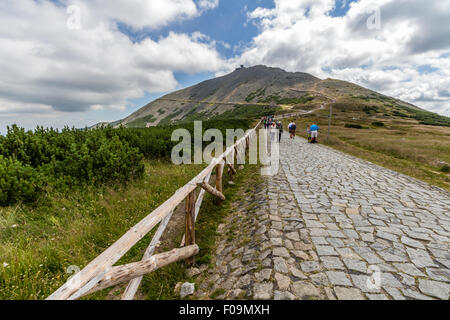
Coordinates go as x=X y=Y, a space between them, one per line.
x=67 y=158
x=353 y=126
x=445 y=169
x=378 y=124
x=18 y=182
x=73 y=157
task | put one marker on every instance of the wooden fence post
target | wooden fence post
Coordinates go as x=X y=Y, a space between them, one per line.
x=219 y=173
x=190 y=224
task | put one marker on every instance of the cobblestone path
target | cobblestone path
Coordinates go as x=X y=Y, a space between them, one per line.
x=331 y=226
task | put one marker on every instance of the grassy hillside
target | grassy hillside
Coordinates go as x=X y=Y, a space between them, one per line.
x=38 y=243
x=251 y=92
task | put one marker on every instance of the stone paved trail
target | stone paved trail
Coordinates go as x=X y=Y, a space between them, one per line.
x=329 y=223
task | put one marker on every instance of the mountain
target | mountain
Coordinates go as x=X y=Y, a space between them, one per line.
x=254 y=91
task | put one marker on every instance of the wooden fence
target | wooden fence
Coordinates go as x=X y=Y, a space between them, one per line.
x=101 y=273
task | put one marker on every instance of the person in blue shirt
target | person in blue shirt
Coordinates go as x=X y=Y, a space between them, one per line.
x=314 y=133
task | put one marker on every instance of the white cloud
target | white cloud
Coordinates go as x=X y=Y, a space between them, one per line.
x=208 y=4
x=143 y=13
x=48 y=67
x=301 y=35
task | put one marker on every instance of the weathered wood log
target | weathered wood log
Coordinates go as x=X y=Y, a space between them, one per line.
x=198 y=205
x=190 y=224
x=219 y=174
x=229 y=165
x=131 y=271
x=134 y=284
x=211 y=190
x=232 y=169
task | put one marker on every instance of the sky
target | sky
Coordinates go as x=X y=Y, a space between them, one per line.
x=80 y=62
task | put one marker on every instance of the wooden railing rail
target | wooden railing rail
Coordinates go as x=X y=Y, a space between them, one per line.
x=101 y=273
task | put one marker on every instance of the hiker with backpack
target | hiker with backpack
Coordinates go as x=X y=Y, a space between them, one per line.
x=314 y=132
x=280 y=130
x=308 y=131
x=292 y=128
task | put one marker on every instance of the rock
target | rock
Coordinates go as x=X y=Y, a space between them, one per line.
x=300 y=254
x=263 y=291
x=332 y=263
x=187 y=289
x=276 y=241
x=284 y=296
x=302 y=246
x=297 y=273
x=387 y=236
x=439 y=274
x=412 y=243
x=283 y=281
x=261 y=230
x=407 y=280
x=304 y=290
x=243 y=282
x=280 y=265
x=395 y=293
x=352 y=211
x=414 y=295
x=355 y=265
x=192 y=272
x=320 y=279
x=177 y=288
x=310 y=266
x=236 y=294
x=434 y=288
x=338 y=278
x=265 y=274
x=281 y=252
x=236 y=263
x=377 y=297
x=293 y=236
x=326 y=251
x=329 y=293
x=348 y=293
x=420 y=258
x=410 y=269
x=388 y=280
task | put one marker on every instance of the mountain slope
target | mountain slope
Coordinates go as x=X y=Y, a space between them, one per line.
x=260 y=89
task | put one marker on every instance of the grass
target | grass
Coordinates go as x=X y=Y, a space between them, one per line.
x=247 y=112
x=287 y=101
x=402 y=145
x=160 y=285
x=142 y=122
x=38 y=244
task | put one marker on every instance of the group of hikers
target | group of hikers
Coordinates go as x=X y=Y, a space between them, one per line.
x=270 y=123
x=312 y=131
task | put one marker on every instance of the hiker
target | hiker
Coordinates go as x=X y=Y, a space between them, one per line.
x=265 y=122
x=314 y=132
x=280 y=130
x=308 y=131
x=292 y=128
x=273 y=131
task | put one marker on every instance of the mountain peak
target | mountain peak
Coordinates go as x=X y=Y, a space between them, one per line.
x=251 y=87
